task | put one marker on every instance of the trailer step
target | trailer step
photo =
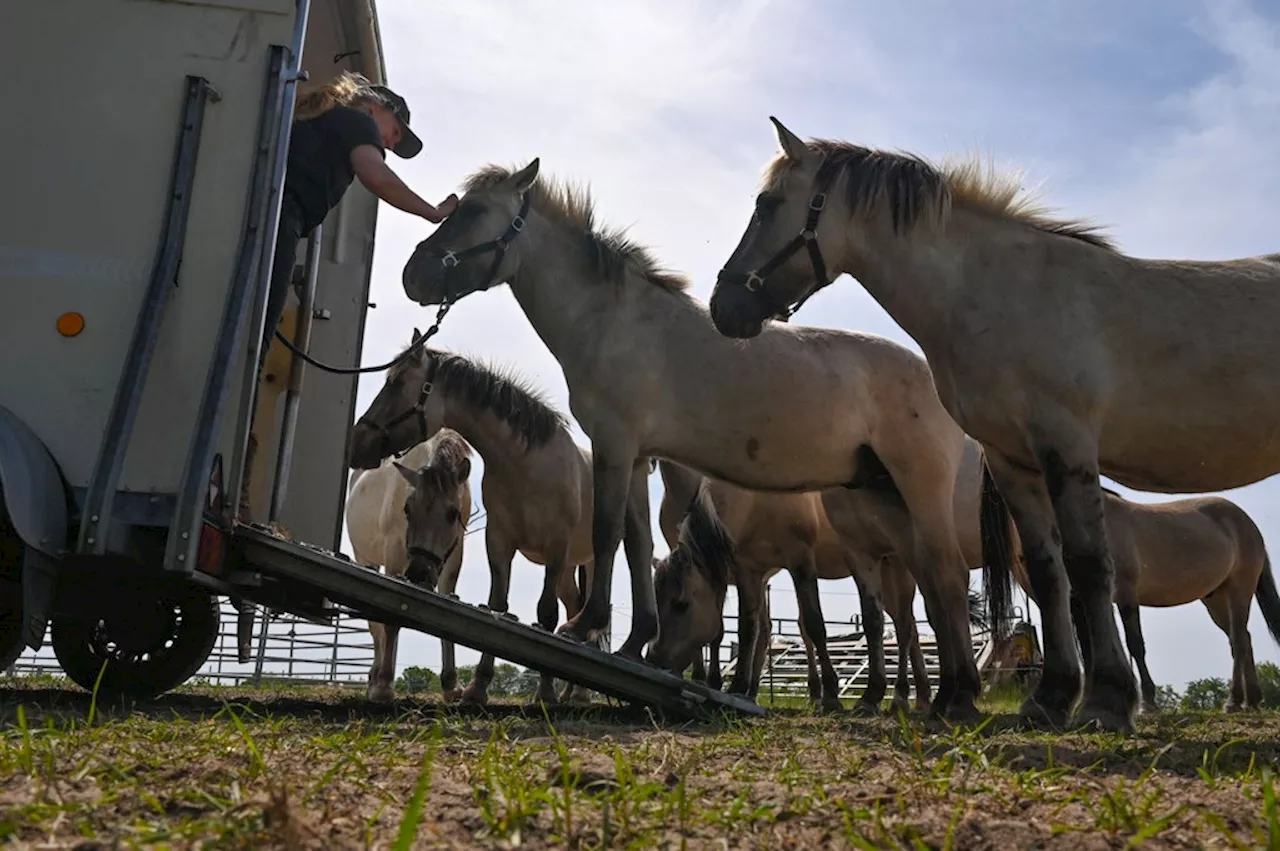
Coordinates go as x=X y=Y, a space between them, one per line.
x=372 y=595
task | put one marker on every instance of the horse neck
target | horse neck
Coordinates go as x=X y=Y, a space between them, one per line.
x=493 y=438
x=914 y=276
x=559 y=291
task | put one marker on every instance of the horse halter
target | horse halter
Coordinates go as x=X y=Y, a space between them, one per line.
x=450 y=260
x=431 y=558
x=418 y=411
x=807 y=238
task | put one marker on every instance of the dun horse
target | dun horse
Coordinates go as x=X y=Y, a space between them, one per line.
x=411 y=519
x=648 y=375
x=536 y=484
x=1174 y=553
x=1067 y=359
x=771 y=532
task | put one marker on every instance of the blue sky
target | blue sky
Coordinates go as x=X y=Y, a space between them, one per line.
x=1157 y=119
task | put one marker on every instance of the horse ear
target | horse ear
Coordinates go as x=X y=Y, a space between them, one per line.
x=410 y=476
x=464 y=470
x=790 y=143
x=524 y=178
x=417 y=335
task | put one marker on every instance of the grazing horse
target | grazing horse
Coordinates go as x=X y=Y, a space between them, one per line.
x=411 y=520
x=1174 y=553
x=536 y=485
x=1067 y=359
x=772 y=532
x=648 y=375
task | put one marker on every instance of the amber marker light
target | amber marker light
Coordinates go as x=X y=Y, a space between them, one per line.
x=70 y=324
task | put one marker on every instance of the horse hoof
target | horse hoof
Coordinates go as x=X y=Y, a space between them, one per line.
x=1038 y=716
x=864 y=709
x=632 y=653
x=381 y=694
x=1232 y=708
x=452 y=695
x=475 y=697
x=1101 y=719
x=1150 y=709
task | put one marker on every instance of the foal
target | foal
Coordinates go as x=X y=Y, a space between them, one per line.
x=771 y=532
x=411 y=519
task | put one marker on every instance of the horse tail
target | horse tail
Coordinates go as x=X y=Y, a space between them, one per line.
x=997 y=557
x=1269 y=598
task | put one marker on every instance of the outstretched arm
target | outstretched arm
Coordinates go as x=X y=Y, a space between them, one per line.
x=367 y=162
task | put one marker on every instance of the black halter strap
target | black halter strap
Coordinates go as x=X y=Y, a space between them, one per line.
x=452 y=259
x=418 y=411
x=807 y=238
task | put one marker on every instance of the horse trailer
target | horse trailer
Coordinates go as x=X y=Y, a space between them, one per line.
x=139 y=226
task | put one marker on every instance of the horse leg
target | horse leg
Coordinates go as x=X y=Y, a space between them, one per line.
x=1132 y=622
x=500 y=552
x=612 y=467
x=377 y=690
x=638 y=544
x=749 y=605
x=871 y=601
x=448 y=584
x=901 y=589
x=807 y=595
x=811 y=662
x=1110 y=693
x=1027 y=497
x=764 y=637
x=1220 y=610
x=940 y=569
x=714 y=679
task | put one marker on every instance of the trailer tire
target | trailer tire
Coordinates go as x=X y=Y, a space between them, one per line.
x=154 y=644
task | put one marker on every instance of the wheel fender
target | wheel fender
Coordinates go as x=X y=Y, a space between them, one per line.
x=35 y=499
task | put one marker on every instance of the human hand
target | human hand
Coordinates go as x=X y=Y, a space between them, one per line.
x=446 y=207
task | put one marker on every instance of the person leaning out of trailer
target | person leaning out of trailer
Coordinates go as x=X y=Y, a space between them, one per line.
x=341 y=131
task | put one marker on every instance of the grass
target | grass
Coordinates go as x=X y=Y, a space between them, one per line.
x=223 y=768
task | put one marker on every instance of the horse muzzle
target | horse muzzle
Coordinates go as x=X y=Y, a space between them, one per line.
x=424 y=568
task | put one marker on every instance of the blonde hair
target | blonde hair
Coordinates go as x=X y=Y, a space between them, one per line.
x=346 y=90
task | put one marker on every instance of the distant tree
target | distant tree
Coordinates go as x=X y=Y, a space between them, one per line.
x=1167 y=697
x=416 y=680
x=1209 y=693
x=511 y=681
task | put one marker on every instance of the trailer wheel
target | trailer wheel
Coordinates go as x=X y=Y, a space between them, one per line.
x=153 y=643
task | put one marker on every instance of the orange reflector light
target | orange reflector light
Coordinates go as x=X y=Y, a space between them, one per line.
x=70 y=324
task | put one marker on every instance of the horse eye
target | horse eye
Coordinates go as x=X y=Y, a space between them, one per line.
x=452 y=515
x=679 y=605
x=767 y=204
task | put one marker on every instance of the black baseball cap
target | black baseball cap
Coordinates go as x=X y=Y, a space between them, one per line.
x=410 y=144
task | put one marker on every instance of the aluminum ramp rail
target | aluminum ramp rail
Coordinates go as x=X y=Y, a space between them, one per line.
x=382 y=598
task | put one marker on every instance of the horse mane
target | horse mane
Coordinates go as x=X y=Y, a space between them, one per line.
x=704 y=539
x=914 y=188
x=611 y=253
x=449 y=454
x=500 y=391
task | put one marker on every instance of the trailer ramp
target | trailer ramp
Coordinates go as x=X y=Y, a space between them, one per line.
x=288 y=571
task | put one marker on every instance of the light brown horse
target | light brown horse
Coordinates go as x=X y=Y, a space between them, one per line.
x=410 y=519
x=1067 y=359
x=772 y=532
x=801 y=410
x=1174 y=553
x=536 y=485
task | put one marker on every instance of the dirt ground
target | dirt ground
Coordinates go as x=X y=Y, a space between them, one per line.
x=220 y=768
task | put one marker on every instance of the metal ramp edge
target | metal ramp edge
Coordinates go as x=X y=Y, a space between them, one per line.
x=389 y=600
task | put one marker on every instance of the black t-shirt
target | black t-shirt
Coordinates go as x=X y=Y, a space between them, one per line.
x=319 y=169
